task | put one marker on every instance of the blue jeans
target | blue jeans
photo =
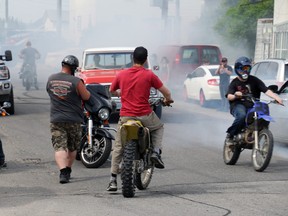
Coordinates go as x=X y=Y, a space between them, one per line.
x=239 y=113
x=224 y=101
x=2 y=156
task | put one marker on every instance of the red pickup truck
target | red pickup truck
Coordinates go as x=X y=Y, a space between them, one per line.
x=100 y=65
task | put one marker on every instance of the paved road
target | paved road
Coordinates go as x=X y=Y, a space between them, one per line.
x=195 y=181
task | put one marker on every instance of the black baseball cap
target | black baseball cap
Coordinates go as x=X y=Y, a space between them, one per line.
x=224 y=59
x=140 y=54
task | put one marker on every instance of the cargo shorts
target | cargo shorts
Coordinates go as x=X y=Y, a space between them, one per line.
x=65 y=136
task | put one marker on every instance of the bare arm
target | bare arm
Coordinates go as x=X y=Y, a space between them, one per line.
x=167 y=94
x=274 y=96
x=218 y=70
x=82 y=91
x=115 y=93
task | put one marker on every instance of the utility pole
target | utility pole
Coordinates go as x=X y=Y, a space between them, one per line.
x=6 y=18
x=59 y=17
x=177 y=28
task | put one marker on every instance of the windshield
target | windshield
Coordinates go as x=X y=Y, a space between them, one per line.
x=109 y=60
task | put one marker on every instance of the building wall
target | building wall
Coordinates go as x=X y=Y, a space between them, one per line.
x=280 y=11
x=280 y=29
x=263 y=47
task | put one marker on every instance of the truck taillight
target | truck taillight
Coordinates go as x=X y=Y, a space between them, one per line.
x=177 y=59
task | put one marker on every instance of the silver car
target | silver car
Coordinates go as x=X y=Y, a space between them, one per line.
x=271 y=71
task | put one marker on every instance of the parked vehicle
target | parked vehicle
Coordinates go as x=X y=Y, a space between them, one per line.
x=175 y=61
x=271 y=71
x=29 y=77
x=202 y=85
x=96 y=142
x=6 y=87
x=280 y=115
x=100 y=65
x=136 y=167
x=256 y=136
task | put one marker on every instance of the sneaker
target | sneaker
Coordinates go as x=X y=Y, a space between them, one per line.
x=64 y=178
x=229 y=140
x=112 y=186
x=3 y=164
x=156 y=159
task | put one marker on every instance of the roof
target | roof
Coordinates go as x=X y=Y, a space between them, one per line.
x=111 y=49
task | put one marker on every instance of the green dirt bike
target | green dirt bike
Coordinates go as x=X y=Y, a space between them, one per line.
x=136 y=167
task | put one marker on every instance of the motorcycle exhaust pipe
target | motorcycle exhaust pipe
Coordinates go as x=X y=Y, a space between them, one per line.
x=142 y=138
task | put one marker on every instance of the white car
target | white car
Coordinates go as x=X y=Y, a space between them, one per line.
x=202 y=85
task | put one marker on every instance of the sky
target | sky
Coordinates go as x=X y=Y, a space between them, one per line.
x=29 y=10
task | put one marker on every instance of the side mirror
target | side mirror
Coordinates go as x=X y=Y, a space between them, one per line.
x=8 y=55
x=273 y=88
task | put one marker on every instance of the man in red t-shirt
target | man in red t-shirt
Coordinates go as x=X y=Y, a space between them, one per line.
x=134 y=85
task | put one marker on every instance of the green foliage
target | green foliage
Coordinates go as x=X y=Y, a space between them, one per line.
x=238 y=24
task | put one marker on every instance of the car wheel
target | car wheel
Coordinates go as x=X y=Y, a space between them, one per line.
x=202 y=99
x=11 y=110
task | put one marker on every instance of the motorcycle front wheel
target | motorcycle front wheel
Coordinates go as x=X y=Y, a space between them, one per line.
x=97 y=155
x=261 y=157
x=127 y=174
x=231 y=154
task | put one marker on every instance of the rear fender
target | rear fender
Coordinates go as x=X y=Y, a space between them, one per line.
x=129 y=130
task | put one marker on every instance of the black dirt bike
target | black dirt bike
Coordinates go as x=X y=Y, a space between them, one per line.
x=255 y=136
x=136 y=167
x=96 y=142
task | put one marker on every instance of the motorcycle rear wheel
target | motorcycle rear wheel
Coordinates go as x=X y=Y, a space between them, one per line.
x=143 y=179
x=231 y=154
x=97 y=155
x=127 y=174
x=261 y=157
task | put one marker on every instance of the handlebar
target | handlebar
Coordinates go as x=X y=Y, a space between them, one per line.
x=161 y=100
x=253 y=99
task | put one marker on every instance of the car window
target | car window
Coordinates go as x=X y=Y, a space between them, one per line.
x=108 y=60
x=210 y=55
x=266 y=70
x=272 y=70
x=285 y=90
x=190 y=56
x=286 y=72
x=199 y=72
x=213 y=71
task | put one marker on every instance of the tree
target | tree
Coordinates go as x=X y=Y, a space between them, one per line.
x=238 y=24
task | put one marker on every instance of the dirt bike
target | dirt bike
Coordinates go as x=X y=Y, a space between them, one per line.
x=28 y=77
x=256 y=136
x=136 y=166
x=96 y=142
